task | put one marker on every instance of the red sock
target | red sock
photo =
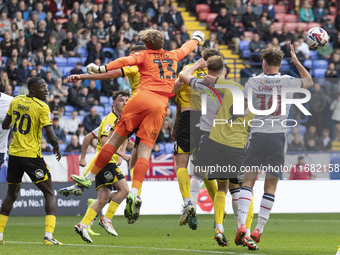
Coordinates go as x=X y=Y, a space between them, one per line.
x=139 y=172
x=103 y=158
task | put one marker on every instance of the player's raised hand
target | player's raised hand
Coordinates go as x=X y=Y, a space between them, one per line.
x=93 y=68
x=57 y=153
x=199 y=36
x=119 y=160
x=201 y=62
x=293 y=55
x=210 y=79
x=73 y=78
x=82 y=162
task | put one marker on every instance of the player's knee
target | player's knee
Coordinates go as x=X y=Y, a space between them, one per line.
x=124 y=190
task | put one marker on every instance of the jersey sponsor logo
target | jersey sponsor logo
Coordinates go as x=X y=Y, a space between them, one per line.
x=108 y=176
x=108 y=127
x=39 y=173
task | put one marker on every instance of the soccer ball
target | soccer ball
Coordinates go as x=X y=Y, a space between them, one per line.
x=316 y=37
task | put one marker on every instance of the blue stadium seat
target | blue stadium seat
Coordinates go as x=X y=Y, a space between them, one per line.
x=301 y=130
x=246 y=54
x=61 y=61
x=104 y=100
x=1 y=38
x=107 y=109
x=66 y=70
x=100 y=109
x=162 y=147
x=83 y=68
x=68 y=109
x=285 y=65
x=62 y=147
x=244 y=45
x=83 y=60
x=73 y=61
x=313 y=54
x=321 y=64
x=16 y=90
x=83 y=52
x=110 y=100
x=81 y=117
x=107 y=49
x=68 y=138
x=169 y=147
x=44 y=68
x=319 y=73
x=308 y=63
x=4 y=59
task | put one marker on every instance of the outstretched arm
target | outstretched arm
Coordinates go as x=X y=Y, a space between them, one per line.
x=95 y=76
x=189 y=46
x=306 y=78
x=186 y=74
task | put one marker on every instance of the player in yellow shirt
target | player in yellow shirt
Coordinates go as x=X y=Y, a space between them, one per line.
x=109 y=177
x=225 y=147
x=29 y=115
x=187 y=137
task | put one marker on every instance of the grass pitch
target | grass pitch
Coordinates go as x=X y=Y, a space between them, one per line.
x=284 y=234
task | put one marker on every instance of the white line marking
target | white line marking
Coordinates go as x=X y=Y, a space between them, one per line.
x=140 y=247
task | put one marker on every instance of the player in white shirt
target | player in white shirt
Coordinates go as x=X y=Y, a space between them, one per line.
x=267 y=142
x=4 y=104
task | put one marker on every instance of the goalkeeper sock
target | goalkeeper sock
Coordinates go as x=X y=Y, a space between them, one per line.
x=266 y=206
x=250 y=216
x=49 y=225
x=211 y=186
x=111 y=210
x=88 y=217
x=139 y=192
x=219 y=206
x=3 y=222
x=103 y=158
x=140 y=170
x=195 y=186
x=235 y=195
x=183 y=179
x=244 y=201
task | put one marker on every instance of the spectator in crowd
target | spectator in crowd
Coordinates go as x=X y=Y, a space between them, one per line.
x=81 y=133
x=56 y=72
x=5 y=25
x=294 y=132
x=44 y=146
x=299 y=32
x=335 y=107
x=19 y=20
x=23 y=51
x=262 y=27
x=236 y=35
x=331 y=72
x=52 y=44
x=58 y=131
x=249 y=19
x=85 y=7
x=174 y=18
x=102 y=33
x=329 y=27
x=92 y=120
x=69 y=46
x=49 y=79
x=268 y=37
x=301 y=171
x=337 y=21
x=76 y=10
x=89 y=22
x=312 y=145
x=71 y=125
x=60 y=90
x=9 y=91
x=83 y=38
x=40 y=12
x=222 y=23
x=285 y=33
x=58 y=8
x=296 y=144
x=39 y=41
x=160 y=16
x=40 y=73
x=74 y=24
x=97 y=53
x=4 y=81
x=301 y=47
x=12 y=72
x=150 y=8
x=77 y=69
x=24 y=11
x=14 y=32
x=7 y=45
x=108 y=21
x=325 y=140
x=212 y=40
x=325 y=52
x=256 y=46
x=184 y=34
x=59 y=33
x=165 y=133
x=50 y=25
x=73 y=92
x=320 y=12
x=237 y=11
x=256 y=8
x=55 y=105
x=310 y=134
x=38 y=56
x=74 y=146
x=93 y=146
x=317 y=106
x=269 y=7
x=23 y=71
x=12 y=8
x=82 y=102
x=94 y=94
x=306 y=12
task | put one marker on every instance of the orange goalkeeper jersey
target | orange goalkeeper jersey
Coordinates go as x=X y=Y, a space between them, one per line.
x=157 y=67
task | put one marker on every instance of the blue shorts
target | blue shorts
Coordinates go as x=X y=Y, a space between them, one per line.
x=2 y=158
x=266 y=152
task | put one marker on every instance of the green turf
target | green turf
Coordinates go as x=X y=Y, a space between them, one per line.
x=284 y=234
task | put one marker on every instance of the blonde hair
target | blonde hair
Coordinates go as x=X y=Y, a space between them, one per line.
x=4 y=80
x=215 y=64
x=152 y=38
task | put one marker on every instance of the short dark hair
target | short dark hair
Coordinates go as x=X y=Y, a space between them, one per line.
x=215 y=64
x=34 y=81
x=207 y=53
x=137 y=48
x=120 y=92
x=272 y=56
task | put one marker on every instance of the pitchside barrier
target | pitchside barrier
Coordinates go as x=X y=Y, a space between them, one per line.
x=292 y=196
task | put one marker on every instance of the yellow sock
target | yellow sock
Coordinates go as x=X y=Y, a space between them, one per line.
x=89 y=216
x=140 y=189
x=183 y=179
x=50 y=223
x=111 y=210
x=250 y=214
x=211 y=186
x=219 y=205
x=3 y=221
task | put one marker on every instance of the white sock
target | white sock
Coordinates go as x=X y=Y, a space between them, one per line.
x=1 y=236
x=266 y=206
x=186 y=201
x=243 y=204
x=106 y=220
x=248 y=231
x=48 y=235
x=134 y=191
x=83 y=225
x=220 y=227
x=90 y=176
x=195 y=186
x=235 y=195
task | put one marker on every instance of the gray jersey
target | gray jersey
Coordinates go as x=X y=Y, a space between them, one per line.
x=213 y=103
x=262 y=99
x=4 y=105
